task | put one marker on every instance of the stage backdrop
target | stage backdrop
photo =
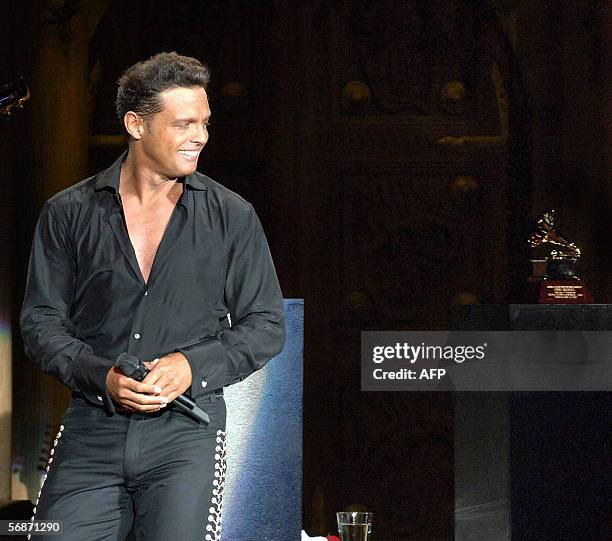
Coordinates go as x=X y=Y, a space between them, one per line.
x=262 y=499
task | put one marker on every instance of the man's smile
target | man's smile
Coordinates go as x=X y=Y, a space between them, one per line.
x=189 y=154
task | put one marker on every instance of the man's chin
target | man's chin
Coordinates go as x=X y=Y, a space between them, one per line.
x=184 y=171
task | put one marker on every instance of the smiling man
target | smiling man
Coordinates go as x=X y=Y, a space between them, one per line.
x=152 y=259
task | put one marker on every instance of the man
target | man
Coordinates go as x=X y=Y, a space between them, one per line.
x=148 y=257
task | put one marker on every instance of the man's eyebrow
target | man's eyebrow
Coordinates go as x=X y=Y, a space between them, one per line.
x=190 y=119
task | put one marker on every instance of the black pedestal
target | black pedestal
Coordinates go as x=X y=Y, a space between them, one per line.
x=560 y=444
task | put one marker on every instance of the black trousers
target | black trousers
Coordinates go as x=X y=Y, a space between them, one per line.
x=160 y=475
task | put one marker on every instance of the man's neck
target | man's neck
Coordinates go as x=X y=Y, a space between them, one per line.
x=140 y=182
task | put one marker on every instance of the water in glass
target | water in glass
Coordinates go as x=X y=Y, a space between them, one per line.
x=355 y=532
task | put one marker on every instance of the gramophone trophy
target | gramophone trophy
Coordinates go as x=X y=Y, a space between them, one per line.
x=554 y=259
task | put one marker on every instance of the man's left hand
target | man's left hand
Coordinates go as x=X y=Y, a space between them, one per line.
x=172 y=373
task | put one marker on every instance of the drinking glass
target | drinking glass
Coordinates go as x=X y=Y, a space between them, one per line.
x=354 y=525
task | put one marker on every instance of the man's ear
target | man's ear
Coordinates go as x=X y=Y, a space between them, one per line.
x=134 y=124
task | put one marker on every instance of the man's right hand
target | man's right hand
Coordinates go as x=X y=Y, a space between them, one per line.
x=132 y=395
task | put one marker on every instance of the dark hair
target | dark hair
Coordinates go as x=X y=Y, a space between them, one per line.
x=141 y=84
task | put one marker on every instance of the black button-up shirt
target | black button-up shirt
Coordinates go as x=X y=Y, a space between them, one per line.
x=86 y=300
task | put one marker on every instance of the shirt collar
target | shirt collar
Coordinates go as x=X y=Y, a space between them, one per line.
x=109 y=178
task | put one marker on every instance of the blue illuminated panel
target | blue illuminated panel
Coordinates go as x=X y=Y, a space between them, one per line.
x=262 y=499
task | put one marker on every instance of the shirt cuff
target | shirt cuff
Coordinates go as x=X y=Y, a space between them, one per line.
x=208 y=362
x=90 y=378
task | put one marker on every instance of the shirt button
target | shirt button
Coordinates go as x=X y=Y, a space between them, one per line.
x=137 y=336
x=204 y=384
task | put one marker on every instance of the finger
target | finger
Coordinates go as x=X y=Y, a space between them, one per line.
x=167 y=379
x=137 y=405
x=153 y=377
x=173 y=390
x=142 y=399
x=140 y=386
x=172 y=395
x=139 y=408
x=155 y=374
x=151 y=364
x=172 y=386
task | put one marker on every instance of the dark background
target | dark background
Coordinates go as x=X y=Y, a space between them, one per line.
x=396 y=152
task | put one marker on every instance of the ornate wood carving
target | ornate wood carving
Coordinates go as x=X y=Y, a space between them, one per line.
x=409 y=51
x=405 y=244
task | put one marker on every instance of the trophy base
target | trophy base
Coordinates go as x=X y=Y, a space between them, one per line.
x=564 y=292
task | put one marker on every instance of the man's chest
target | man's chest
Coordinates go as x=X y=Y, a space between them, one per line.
x=119 y=251
x=146 y=228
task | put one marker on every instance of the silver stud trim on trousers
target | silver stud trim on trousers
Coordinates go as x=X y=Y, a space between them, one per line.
x=44 y=477
x=213 y=527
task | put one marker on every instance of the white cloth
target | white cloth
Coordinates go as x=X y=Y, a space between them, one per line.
x=305 y=537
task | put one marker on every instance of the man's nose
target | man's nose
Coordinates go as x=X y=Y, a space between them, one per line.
x=200 y=135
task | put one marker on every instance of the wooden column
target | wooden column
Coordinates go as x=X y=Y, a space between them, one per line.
x=62 y=106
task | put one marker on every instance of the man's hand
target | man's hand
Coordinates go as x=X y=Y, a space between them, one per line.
x=172 y=373
x=132 y=395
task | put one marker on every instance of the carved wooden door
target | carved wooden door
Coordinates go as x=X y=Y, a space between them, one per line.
x=408 y=196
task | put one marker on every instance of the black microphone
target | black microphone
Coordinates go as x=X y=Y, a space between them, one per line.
x=134 y=368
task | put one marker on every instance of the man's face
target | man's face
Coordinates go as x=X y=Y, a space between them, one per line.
x=173 y=138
